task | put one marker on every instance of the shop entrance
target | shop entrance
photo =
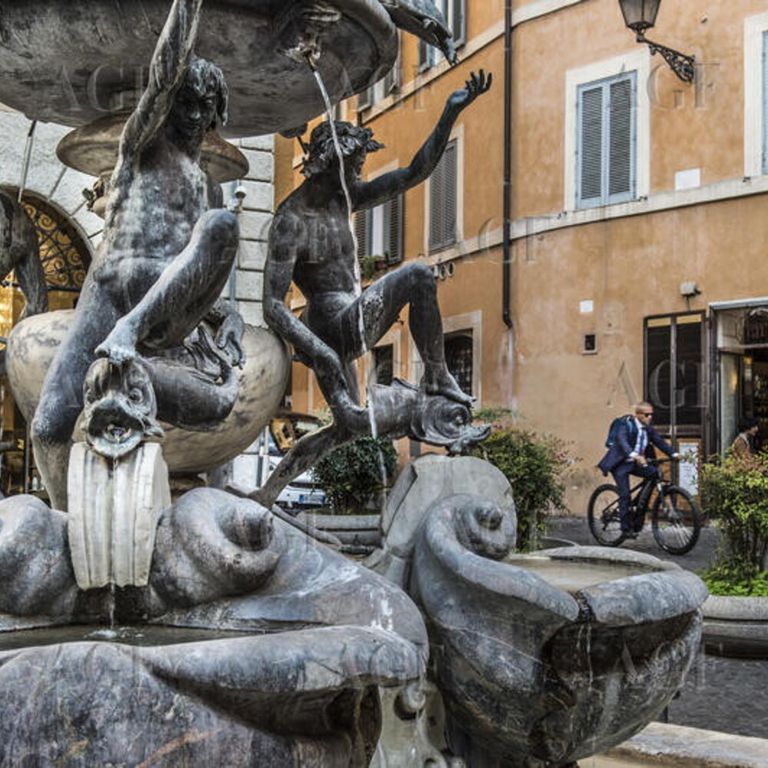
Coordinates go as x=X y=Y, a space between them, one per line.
x=741 y=366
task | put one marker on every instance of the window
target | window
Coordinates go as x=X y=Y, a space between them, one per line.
x=756 y=95
x=443 y=200
x=459 y=354
x=455 y=13
x=384 y=364
x=388 y=84
x=379 y=231
x=765 y=102
x=606 y=142
x=674 y=365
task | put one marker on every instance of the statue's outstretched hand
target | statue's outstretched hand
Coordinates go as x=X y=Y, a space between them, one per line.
x=478 y=84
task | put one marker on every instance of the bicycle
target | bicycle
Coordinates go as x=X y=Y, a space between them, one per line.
x=675 y=517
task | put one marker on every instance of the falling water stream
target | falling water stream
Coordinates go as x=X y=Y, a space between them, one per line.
x=357 y=272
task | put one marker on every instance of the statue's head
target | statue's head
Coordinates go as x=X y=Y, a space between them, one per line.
x=201 y=103
x=355 y=143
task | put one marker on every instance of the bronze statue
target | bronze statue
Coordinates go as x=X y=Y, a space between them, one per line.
x=20 y=253
x=165 y=256
x=312 y=244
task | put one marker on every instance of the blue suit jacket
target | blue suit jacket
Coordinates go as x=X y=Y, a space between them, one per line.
x=626 y=439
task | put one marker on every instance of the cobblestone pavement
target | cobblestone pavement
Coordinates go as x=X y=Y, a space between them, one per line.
x=727 y=695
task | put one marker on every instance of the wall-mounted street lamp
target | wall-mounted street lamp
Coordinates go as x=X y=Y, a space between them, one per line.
x=639 y=16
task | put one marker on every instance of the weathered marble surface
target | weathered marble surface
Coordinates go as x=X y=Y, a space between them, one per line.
x=419 y=487
x=36 y=574
x=303 y=699
x=322 y=636
x=535 y=675
x=112 y=515
x=219 y=562
x=33 y=343
x=269 y=91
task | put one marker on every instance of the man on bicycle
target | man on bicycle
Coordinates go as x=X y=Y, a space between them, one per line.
x=631 y=452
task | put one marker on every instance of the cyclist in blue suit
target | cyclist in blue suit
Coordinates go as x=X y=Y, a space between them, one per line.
x=631 y=449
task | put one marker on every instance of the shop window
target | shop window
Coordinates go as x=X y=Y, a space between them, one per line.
x=458 y=357
x=443 y=200
x=606 y=141
x=674 y=366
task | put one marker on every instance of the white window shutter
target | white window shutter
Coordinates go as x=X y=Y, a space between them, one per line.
x=590 y=144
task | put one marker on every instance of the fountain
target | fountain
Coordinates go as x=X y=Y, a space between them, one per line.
x=143 y=627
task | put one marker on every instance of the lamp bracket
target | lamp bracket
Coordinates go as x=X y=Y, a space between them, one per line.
x=682 y=65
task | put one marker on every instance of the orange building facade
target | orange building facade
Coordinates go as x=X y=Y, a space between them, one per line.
x=635 y=263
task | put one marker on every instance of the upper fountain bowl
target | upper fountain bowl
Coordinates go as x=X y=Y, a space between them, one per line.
x=74 y=62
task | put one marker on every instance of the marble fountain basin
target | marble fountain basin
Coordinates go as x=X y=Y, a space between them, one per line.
x=547 y=658
x=250 y=645
x=72 y=62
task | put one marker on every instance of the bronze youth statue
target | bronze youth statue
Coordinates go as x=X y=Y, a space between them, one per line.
x=311 y=243
x=165 y=256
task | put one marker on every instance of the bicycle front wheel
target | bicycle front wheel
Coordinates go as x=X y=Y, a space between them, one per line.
x=604 y=517
x=676 y=521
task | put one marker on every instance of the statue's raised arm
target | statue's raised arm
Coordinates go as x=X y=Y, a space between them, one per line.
x=389 y=185
x=170 y=61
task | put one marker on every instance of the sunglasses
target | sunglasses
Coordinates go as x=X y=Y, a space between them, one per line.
x=645 y=413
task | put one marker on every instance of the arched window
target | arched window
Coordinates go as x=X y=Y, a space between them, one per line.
x=63 y=252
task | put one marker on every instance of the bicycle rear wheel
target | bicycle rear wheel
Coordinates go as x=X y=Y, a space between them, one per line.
x=604 y=517
x=676 y=521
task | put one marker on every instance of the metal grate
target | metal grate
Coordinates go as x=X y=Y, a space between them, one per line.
x=63 y=253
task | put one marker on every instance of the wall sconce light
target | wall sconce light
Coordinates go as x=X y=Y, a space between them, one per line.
x=640 y=15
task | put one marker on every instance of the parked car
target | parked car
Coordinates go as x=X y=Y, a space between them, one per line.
x=278 y=438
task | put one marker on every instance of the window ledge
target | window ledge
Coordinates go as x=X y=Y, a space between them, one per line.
x=662 y=201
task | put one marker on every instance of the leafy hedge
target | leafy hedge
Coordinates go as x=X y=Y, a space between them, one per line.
x=534 y=466
x=352 y=474
x=729 y=581
x=735 y=494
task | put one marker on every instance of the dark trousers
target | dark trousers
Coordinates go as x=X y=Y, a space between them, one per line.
x=621 y=475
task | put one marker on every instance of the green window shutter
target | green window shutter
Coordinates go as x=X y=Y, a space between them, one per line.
x=443 y=200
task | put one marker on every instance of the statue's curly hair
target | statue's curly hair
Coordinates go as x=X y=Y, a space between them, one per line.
x=322 y=153
x=205 y=78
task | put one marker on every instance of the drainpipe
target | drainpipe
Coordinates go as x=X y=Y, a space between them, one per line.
x=506 y=262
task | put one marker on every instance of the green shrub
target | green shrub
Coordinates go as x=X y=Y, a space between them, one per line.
x=534 y=466
x=735 y=494
x=352 y=474
x=732 y=581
